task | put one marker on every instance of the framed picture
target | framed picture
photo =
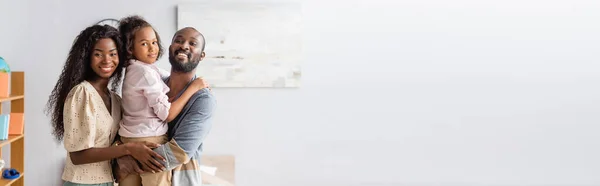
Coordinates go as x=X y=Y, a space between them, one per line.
x=247 y=44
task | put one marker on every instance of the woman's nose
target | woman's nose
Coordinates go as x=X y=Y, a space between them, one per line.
x=107 y=58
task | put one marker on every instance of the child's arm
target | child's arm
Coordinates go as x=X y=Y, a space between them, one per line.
x=186 y=139
x=153 y=89
x=177 y=105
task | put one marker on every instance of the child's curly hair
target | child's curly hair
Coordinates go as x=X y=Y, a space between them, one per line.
x=128 y=26
x=78 y=68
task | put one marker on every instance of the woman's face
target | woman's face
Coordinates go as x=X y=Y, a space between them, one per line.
x=105 y=58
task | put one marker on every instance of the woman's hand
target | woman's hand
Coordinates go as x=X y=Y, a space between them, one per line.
x=142 y=152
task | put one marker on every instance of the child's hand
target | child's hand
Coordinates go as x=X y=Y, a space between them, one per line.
x=199 y=83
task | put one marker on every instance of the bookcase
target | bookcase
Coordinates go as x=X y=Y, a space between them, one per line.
x=17 y=142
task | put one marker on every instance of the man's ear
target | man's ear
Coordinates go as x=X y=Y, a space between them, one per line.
x=202 y=55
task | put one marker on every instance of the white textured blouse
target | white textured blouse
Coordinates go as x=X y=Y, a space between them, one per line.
x=88 y=123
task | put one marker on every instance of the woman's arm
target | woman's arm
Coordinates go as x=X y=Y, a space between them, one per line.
x=93 y=155
x=140 y=150
x=80 y=126
x=177 y=105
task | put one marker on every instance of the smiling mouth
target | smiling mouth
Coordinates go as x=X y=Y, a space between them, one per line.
x=106 y=69
x=182 y=55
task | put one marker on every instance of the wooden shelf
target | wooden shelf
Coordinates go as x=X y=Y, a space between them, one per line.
x=2 y=99
x=9 y=182
x=17 y=142
x=10 y=140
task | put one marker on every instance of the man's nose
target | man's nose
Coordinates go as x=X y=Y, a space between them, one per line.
x=185 y=46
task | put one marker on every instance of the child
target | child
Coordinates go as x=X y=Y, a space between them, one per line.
x=146 y=106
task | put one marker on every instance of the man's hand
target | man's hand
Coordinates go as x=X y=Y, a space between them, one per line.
x=126 y=165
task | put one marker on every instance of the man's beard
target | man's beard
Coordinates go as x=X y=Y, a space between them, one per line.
x=183 y=66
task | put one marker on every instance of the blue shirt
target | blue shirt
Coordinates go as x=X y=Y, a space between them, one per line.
x=186 y=135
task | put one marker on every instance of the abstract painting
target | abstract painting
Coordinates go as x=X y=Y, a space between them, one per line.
x=247 y=44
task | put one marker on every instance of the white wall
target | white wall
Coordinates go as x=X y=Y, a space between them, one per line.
x=428 y=92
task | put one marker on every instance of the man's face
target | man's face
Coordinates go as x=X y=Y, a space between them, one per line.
x=185 y=51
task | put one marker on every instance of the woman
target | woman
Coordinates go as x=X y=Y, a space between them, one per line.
x=86 y=114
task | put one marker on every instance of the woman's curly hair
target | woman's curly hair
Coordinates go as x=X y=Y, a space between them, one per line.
x=78 y=68
x=128 y=26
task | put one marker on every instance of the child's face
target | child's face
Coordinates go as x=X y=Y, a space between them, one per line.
x=145 y=45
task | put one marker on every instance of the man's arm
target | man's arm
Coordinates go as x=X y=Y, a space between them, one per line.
x=191 y=132
x=193 y=129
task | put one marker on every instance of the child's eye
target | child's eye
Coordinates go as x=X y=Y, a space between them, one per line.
x=144 y=44
x=154 y=43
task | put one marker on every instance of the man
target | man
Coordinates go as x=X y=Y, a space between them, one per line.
x=189 y=129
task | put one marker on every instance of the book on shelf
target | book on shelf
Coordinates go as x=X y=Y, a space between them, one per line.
x=4 y=84
x=4 y=124
x=17 y=121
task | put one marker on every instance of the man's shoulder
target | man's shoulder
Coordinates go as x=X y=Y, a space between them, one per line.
x=204 y=93
x=202 y=98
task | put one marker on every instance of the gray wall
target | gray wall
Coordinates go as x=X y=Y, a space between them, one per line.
x=428 y=92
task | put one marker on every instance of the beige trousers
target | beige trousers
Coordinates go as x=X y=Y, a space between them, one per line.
x=147 y=179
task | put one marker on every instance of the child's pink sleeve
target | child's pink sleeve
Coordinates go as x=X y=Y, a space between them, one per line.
x=163 y=73
x=153 y=89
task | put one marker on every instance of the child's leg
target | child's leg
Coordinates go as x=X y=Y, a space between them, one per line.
x=138 y=180
x=156 y=179
x=131 y=180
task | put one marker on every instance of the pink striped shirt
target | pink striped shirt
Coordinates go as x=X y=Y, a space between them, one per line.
x=145 y=102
